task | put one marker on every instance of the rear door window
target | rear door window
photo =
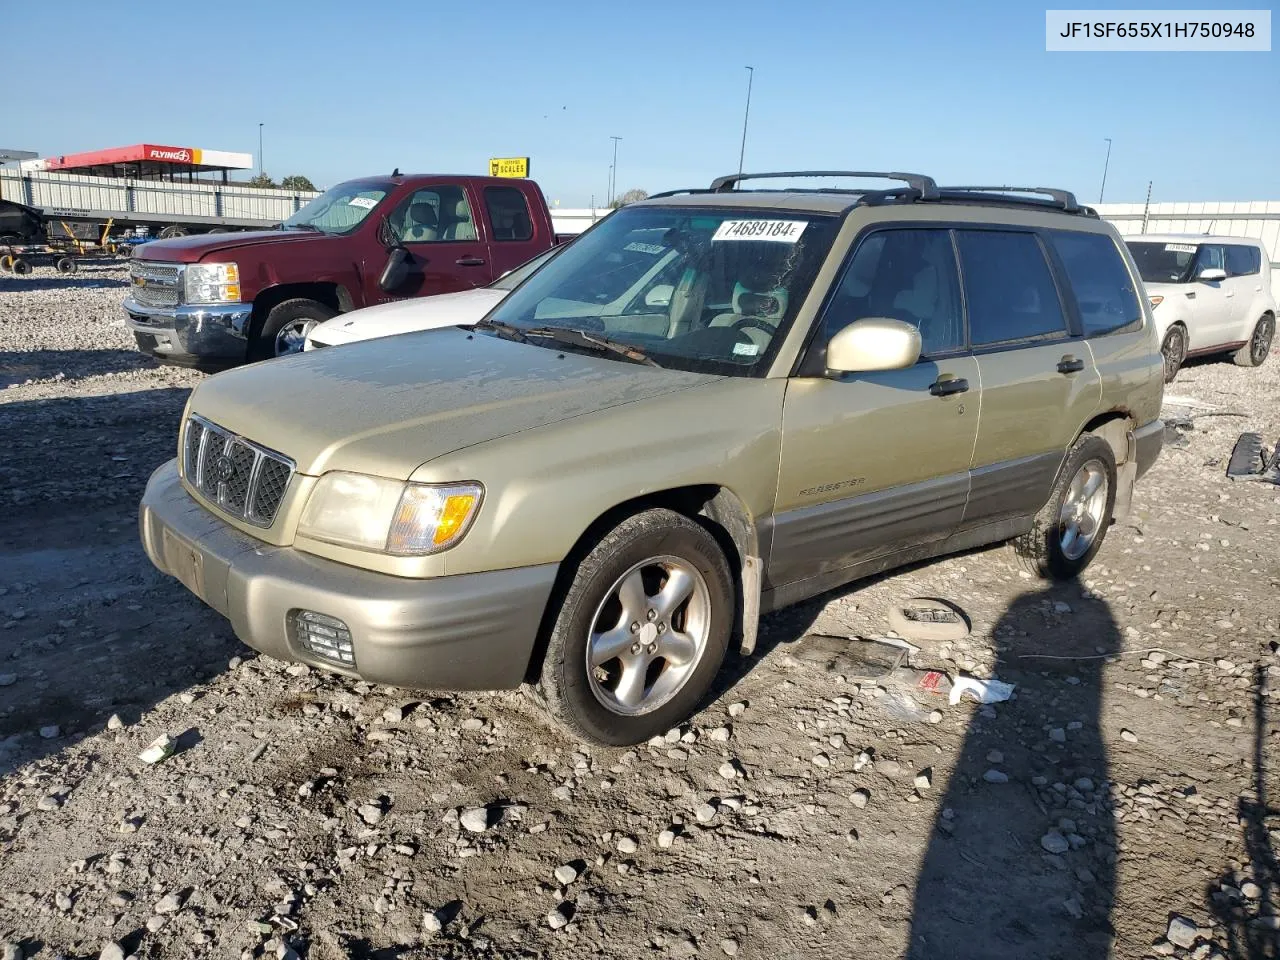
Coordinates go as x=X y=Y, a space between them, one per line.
x=509 y=213
x=907 y=275
x=1104 y=290
x=1243 y=260
x=1008 y=288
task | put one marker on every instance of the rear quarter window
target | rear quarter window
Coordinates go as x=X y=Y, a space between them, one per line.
x=1104 y=291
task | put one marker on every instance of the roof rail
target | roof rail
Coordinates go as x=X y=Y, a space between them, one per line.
x=1063 y=198
x=676 y=193
x=926 y=186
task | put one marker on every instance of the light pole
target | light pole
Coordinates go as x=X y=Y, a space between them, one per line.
x=1105 y=164
x=746 y=114
x=259 y=149
x=613 y=170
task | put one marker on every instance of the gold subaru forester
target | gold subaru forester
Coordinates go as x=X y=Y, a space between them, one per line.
x=712 y=404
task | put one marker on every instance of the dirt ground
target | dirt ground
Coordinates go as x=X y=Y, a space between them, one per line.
x=1121 y=805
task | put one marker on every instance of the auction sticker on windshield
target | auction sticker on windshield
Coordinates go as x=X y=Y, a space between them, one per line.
x=367 y=202
x=1180 y=247
x=782 y=231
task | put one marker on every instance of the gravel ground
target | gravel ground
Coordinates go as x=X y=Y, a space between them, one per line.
x=1120 y=805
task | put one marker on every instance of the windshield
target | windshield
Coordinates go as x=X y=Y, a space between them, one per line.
x=339 y=209
x=700 y=289
x=513 y=278
x=1160 y=262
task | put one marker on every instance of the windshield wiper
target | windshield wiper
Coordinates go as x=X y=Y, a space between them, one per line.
x=591 y=341
x=303 y=226
x=504 y=330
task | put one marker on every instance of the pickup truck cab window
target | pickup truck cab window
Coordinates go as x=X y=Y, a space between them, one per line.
x=436 y=214
x=693 y=289
x=340 y=209
x=509 y=213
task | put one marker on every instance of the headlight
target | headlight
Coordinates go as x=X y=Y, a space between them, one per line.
x=212 y=283
x=1155 y=301
x=389 y=516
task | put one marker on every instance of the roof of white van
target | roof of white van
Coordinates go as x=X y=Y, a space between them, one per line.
x=1188 y=238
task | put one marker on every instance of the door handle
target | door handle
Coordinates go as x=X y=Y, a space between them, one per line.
x=469 y=262
x=1070 y=364
x=1191 y=294
x=945 y=386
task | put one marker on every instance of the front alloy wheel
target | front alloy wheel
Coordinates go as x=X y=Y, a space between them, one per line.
x=293 y=336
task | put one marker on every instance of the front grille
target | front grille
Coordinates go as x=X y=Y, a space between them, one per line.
x=236 y=475
x=155 y=284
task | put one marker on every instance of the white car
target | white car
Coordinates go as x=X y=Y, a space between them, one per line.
x=424 y=313
x=1208 y=295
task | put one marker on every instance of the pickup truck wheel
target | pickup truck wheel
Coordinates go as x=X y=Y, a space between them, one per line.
x=1174 y=351
x=1070 y=528
x=1253 y=353
x=286 y=327
x=641 y=632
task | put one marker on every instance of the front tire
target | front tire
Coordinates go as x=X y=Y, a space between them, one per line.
x=1174 y=351
x=1069 y=529
x=1254 y=353
x=286 y=327
x=641 y=632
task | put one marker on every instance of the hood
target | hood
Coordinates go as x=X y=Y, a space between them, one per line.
x=193 y=248
x=406 y=316
x=1166 y=289
x=387 y=406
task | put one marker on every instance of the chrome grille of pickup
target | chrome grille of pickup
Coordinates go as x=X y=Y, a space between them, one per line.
x=236 y=475
x=155 y=284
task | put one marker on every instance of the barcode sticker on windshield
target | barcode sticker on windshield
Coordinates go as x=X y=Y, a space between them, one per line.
x=636 y=246
x=745 y=349
x=1180 y=248
x=367 y=202
x=783 y=231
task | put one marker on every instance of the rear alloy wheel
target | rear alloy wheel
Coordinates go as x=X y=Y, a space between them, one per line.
x=1254 y=353
x=1174 y=350
x=285 y=330
x=641 y=632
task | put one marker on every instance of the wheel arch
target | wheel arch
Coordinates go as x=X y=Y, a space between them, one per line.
x=717 y=509
x=333 y=295
x=1116 y=428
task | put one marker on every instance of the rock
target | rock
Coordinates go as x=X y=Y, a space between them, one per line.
x=160 y=749
x=1058 y=735
x=371 y=813
x=1060 y=607
x=114 y=722
x=924 y=780
x=50 y=803
x=169 y=903
x=888 y=768
x=566 y=873
x=62 y=901
x=1055 y=842
x=720 y=735
x=51 y=732
x=156 y=924
x=727 y=770
x=935 y=716
x=628 y=845
x=1128 y=736
x=1250 y=890
x=111 y=951
x=737 y=709
x=11 y=951
x=476 y=819
x=8 y=679
x=729 y=946
x=995 y=756
x=705 y=813
x=431 y=923
x=666 y=838
x=822 y=760
x=995 y=776
x=560 y=916
x=1182 y=932
x=859 y=798
x=1225 y=665
x=1084 y=785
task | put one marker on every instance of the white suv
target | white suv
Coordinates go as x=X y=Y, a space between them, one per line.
x=1208 y=295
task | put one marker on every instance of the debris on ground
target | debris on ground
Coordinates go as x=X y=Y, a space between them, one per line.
x=924 y=619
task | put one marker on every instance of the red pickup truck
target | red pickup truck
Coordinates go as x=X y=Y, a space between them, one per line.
x=221 y=299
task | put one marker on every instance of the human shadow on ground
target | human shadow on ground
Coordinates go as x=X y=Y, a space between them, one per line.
x=1244 y=900
x=1021 y=860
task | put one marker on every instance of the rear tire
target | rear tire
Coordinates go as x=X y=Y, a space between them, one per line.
x=171 y=231
x=1174 y=351
x=20 y=267
x=67 y=265
x=666 y=575
x=1069 y=529
x=1254 y=353
x=286 y=326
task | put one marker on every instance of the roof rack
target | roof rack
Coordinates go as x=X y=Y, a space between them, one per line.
x=925 y=186
x=1062 y=198
x=676 y=193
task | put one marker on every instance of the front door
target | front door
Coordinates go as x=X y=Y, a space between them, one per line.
x=873 y=463
x=1211 y=301
x=437 y=225
x=1039 y=382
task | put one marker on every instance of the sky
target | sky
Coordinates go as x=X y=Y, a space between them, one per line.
x=964 y=92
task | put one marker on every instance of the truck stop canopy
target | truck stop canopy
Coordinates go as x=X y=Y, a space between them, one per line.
x=146 y=161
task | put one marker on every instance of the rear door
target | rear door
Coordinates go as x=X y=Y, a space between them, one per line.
x=515 y=234
x=1244 y=278
x=1039 y=383
x=437 y=224
x=873 y=463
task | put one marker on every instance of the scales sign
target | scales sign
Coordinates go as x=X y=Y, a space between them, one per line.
x=509 y=166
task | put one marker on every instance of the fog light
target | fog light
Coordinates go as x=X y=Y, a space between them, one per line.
x=326 y=637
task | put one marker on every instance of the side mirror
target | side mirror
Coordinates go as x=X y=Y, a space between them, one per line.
x=874 y=343
x=1212 y=274
x=394 y=272
x=659 y=296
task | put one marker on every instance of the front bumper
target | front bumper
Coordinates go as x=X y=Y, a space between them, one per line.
x=191 y=332
x=465 y=632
